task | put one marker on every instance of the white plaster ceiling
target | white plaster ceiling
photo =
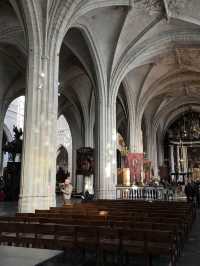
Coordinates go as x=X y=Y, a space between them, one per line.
x=13 y=57
x=127 y=37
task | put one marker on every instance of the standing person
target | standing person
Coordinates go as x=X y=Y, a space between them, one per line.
x=165 y=184
x=2 y=195
x=189 y=191
x=197 y=193
x=87 y=196
x=66 y=188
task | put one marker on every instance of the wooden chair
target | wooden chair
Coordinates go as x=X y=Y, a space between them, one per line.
x=109 y=245
x=65 y=237
x=160 y=243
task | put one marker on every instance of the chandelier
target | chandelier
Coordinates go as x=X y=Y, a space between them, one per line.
x=187 y=127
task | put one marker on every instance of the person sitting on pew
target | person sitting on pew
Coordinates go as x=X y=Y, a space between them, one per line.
x=197 y=191
x=2 y=195
x=87 y=196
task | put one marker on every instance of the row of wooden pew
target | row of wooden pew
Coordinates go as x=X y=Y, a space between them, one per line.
x=120 y=227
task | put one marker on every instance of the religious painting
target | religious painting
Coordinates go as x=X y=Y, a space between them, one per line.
x=193 y=157
x=134 y=161
x=85 y=161
x=194 y=162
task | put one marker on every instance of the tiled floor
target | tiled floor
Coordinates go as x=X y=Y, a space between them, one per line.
x=9 y=208
x=19 y=256
x=191 y=253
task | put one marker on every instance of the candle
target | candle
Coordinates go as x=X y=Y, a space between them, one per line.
x=126 y=176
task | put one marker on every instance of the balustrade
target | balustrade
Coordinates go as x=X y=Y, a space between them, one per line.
x=136 y=192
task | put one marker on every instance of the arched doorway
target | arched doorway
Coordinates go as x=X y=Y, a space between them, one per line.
x=122 y=138
x=77 y=96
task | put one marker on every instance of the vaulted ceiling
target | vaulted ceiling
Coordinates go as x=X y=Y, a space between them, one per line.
x=151 y=45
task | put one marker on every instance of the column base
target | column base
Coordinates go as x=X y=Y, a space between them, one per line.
x=31 y=203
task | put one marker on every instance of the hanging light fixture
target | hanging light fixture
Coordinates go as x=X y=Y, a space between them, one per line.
x=187 y=127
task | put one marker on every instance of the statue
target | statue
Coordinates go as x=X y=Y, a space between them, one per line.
x=14 y=147
x=66 y=188
x=13 y=170
x=18 y=133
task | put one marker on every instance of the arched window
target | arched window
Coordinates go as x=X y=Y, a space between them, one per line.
x=64 y=144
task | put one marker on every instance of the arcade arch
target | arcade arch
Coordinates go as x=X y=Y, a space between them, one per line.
x=106 y=69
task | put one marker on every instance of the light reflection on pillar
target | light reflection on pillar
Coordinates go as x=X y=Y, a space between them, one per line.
x=108 y=170
x=114 y=135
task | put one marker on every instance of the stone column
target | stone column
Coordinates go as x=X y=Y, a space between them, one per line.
x=73 y=173
x=132 y=129
x=38 y=176
x=150 y=140
x=183 y=150
x=160 y=146
x=136 y=140
x=89 y=134
x=178 y=158
x=3 y=107
x=100 y=143
x=185 y=160
x=1 y=152
x=172 y=158
x=105 y=149
x=154 y=155
x=111 y=152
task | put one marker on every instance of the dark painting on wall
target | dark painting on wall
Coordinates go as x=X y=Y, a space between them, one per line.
x=85 y=161
x=193 y=157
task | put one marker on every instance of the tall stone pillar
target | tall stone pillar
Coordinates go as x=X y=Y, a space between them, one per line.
x=132 y=131
x=89 y=135
x=136 y=144
x=1 y=139
x=89 y=124
x=111 y=152
x=38 y=176
x=178 y=158
x=154 y=155
x=172 y=158
x=105 y=149
x=185 y=158
x=3 y=107
x=160 y=150
x=73 y=173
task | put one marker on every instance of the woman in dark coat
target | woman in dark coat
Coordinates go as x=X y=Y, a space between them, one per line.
x=190 y=191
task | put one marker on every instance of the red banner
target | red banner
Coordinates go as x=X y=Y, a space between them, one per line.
x=134 y=161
